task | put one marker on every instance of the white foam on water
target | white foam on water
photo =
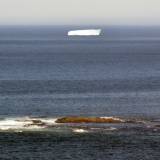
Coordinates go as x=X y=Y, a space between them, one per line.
x=86 y=32
x=114 y=118
x=77 y=130
x=111 y=129
x=50 y=121
x=12 y=124
x=26 y=123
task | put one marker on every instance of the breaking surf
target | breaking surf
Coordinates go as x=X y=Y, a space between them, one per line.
x=77 y=124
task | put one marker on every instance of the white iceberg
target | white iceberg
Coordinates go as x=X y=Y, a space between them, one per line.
x=87 y=32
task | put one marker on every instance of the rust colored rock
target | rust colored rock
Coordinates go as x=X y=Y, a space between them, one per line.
x=89 y=120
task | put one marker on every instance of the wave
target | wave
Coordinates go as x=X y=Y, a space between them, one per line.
x=23 y=123
x=77 y=124
x=39 y=123
x=77 y=130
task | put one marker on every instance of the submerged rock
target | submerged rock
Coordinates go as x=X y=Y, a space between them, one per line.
x=35 y=122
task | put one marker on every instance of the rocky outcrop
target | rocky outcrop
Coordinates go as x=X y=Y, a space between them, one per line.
x=89 y=120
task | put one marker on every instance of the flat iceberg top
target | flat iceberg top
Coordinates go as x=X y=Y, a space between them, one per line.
x=86 y=32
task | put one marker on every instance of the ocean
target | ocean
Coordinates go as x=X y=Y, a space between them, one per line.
x=46 y=75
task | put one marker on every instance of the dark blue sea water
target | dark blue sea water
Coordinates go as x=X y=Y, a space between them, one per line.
x=46 y=74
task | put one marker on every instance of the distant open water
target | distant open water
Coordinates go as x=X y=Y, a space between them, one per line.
x=45 y=75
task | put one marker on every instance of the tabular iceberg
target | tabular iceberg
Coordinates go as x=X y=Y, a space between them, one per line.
x=88 y=32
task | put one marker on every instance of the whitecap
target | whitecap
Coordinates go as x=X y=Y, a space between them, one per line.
x=114 y=118
x=26 y=123
x=77 y=130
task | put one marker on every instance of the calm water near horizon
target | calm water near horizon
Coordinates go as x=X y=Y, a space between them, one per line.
x=45 y=75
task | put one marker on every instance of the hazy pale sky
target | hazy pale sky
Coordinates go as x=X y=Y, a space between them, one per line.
x=118 y=12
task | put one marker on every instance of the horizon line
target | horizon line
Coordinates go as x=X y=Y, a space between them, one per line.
x=76 y=25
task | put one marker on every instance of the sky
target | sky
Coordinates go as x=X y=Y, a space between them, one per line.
x=54 y=12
